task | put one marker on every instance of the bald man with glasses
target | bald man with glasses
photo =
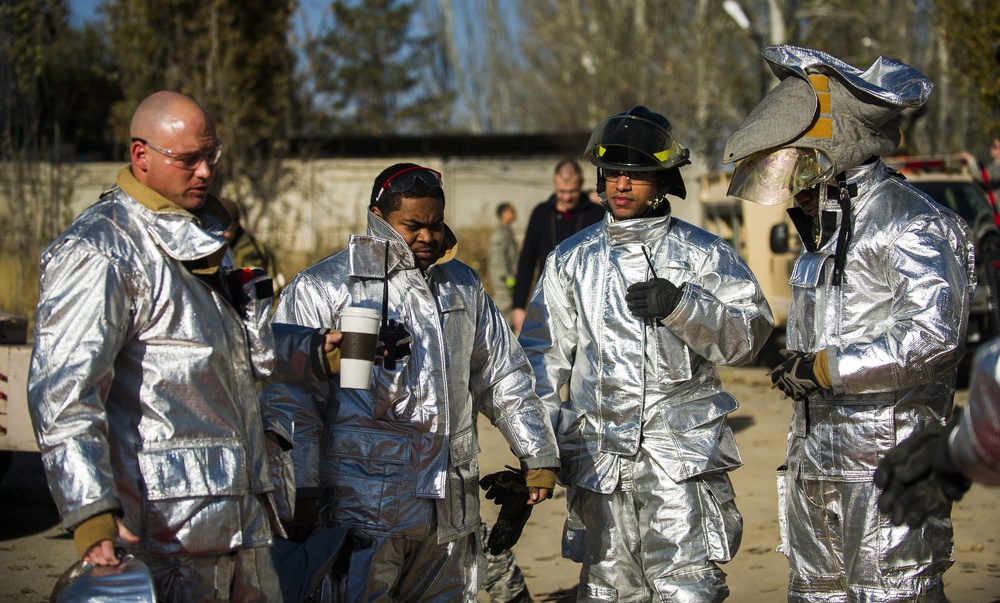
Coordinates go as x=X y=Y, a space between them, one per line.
x=148 y=345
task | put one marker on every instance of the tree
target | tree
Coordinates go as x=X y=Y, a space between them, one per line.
x=234 y=57
x=57 y=93
x=375 y=75
x=972 y=34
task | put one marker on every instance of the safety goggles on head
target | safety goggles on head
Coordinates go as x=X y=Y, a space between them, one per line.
x=773 y=177
x=404 y=179
x=186 y=161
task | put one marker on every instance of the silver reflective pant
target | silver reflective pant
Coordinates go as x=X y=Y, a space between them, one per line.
x=240 y=576
x=842 y=550
x=653 y=539
x=382 y=569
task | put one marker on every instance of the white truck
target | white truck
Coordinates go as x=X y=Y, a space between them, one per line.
x=16 y=433
x=765 y=239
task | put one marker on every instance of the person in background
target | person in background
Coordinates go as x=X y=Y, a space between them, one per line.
x=248 y=250
x=141 y=389
x=876 y=328
x=632 y=315
x=396 y=463
x=502 y=266
x=567 y=212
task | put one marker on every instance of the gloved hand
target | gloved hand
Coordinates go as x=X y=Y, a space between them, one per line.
x=918 y=477
x=507 y=489
x=801 y=374
x=655 y=298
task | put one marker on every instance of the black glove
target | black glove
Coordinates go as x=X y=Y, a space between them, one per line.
x=655 y=298
x=507 y=489
x=795 y=376
x=918 y=477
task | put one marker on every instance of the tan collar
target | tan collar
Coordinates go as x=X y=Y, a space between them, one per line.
x=146 y=196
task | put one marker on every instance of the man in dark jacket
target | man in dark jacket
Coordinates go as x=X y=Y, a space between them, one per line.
x=565 y=213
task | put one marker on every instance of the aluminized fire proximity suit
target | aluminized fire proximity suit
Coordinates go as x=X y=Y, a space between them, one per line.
x=398 y=462
x=894 y=331
x=643 y=437
x=877 y=324
x=142 y=391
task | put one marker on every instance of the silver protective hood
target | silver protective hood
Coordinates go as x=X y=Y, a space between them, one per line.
x=824 y=103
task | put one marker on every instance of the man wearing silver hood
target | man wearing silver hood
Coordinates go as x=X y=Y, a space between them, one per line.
x=876 y=327
x=148 y=345
x=633 y=314
x=396 y=462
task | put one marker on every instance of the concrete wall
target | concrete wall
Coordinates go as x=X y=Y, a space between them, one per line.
x=331 y=198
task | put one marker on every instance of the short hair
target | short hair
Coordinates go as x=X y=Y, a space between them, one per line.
x=503 y=207
x=391 y=200
x=572 y=164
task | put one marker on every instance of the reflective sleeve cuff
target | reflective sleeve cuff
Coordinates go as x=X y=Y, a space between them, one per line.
x=541 y=462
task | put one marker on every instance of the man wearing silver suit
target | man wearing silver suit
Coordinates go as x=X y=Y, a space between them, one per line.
x=880 y=301
x=634 y=314
x=142 y=389
x=396 y=462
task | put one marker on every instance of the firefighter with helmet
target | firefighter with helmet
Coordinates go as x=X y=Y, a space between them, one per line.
x=632 y=315
x=876 y=328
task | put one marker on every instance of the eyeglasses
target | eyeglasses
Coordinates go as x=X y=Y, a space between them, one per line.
x=187 y=161
x=404 y=179
x=614 y=175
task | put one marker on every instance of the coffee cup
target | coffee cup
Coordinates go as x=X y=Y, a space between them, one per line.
x=357 y=350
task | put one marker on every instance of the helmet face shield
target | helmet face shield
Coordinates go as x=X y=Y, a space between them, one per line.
x=633 y=143
x=772 y=177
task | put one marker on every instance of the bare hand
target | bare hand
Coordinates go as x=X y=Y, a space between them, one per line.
x=331 y=341
x=517 y=319
x=103 y=552
x=537 y=495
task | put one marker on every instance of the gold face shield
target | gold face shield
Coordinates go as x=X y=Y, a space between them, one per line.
x=772 y=177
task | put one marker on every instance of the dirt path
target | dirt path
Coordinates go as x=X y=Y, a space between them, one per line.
x=34 y=551
x=758 y=574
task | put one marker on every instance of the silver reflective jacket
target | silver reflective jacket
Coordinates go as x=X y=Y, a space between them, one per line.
x=975 y=444
x=632 y=381
x=894 y=331
x=142 y=382
x=412 y=434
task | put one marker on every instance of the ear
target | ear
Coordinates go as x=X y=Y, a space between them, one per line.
x=140 y=158
x=377 y=212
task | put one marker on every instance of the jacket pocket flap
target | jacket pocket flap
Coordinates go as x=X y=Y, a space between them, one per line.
x=194 y=469
x=451 y=303
x=688 y=415
x=463 y=447
x=367 y=444
x=808 y=268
